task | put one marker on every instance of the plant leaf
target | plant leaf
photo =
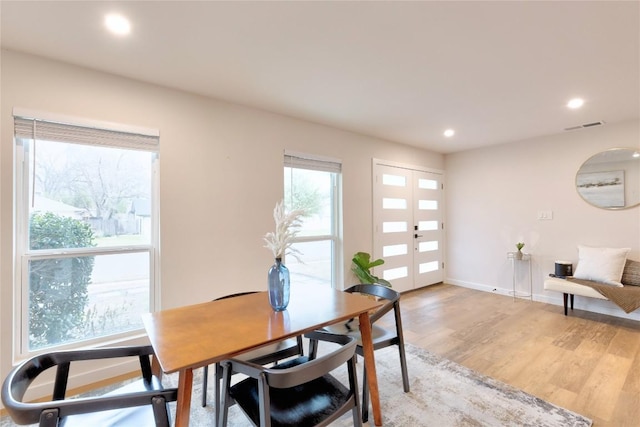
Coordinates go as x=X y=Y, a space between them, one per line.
x=362 y=258
x=383 y=282
x=376 y=263
x=361 y=264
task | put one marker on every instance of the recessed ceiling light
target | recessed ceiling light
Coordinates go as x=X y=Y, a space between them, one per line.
x=575 y=103
x=449 y=133
x=636 y=154
x=117 y=24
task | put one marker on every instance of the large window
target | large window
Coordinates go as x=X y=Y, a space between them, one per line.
x=86 y=232
x=314 y=185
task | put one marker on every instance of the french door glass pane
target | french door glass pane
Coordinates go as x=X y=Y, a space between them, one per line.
x=394 y=180
x=84 y=297
x=316 y=268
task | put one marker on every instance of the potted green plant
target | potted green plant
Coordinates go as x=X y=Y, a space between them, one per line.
x=362 y=265
x=519 y=246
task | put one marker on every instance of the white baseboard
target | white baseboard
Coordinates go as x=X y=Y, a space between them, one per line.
x=580 y=303
x=479 y=287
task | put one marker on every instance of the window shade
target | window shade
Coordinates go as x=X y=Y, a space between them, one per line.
x=39 y=129
x=300 y=162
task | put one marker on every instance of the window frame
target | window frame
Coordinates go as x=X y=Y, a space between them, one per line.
x=23 y=254
x=295 y=160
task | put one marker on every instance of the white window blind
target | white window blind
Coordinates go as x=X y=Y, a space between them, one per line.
x=309 y=162
x=40 y=129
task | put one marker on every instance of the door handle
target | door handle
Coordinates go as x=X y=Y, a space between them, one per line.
x=417 y=235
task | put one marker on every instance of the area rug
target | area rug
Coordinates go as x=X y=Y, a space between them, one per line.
x=443 y=394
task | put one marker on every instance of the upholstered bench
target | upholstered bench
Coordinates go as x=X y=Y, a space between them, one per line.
x=626 y=295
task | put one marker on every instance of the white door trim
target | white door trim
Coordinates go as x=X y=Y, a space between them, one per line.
x=377 y=227
x=404 y=166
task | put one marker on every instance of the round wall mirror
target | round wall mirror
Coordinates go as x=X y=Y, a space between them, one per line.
x=611 y=179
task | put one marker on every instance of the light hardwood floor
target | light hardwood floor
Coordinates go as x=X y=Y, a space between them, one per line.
x=585 y=362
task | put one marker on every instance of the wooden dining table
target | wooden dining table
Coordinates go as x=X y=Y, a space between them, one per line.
x=190 y=337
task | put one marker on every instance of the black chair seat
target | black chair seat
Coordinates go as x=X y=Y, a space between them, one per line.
x=303 y=405
x=381 y=337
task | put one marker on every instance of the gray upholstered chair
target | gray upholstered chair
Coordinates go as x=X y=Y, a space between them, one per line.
x=272 y=353
x=296 y=393
x=382 y=337
x=140 y=403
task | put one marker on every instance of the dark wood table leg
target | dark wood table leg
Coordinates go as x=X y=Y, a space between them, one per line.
x=370 y=363
x=155 y=367
x=183 y=406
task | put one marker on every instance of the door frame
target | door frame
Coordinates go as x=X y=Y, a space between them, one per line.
x=376 y=252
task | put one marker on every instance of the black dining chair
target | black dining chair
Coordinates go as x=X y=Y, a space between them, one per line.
x=296 y=393
x=381 y=336
x=272 y=353
x=139 y=403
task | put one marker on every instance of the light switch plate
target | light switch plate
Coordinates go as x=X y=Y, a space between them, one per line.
x=545 y=215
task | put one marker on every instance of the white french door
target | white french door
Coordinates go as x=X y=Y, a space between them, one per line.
x=407 y=216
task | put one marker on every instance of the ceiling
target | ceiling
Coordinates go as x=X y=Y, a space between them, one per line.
x=495 y=72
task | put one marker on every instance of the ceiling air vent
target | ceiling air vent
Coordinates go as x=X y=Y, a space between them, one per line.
x=586 y=125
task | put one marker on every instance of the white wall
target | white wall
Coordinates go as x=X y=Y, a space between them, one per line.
x=493 y=198
x=221 y=174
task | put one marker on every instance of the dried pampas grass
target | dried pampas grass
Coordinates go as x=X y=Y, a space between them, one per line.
x=287 y=227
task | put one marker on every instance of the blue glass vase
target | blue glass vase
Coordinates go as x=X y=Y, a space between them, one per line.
x=279 y=286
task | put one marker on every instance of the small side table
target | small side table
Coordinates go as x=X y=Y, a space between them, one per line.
x=515 y=262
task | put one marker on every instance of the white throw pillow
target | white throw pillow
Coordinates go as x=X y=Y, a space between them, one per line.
x=601 y=264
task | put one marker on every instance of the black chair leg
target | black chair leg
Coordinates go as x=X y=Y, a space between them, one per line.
x=205 y=381
x=160 y=411
x=218 y=378
x=403 y=366
x=222 y=414
x=49 y=418
x=313 y=349
x=365 y=395
x=353 y=384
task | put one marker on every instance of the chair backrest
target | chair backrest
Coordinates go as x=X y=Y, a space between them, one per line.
x=380 y=291
x=300 y=374
x=318 y=398
x=375 y=289
x=22 y=376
